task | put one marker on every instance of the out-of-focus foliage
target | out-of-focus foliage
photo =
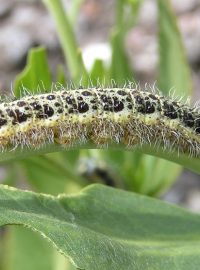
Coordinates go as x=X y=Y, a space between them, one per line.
x=36 y=76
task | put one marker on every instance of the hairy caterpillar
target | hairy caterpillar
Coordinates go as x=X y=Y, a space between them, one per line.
x=102 y=116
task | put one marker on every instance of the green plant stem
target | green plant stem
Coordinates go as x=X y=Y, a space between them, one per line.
x=67 y=38
x=73 y=14
x=119 y=14
x=191 y=163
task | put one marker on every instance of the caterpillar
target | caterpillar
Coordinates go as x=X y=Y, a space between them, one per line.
x=101 y=116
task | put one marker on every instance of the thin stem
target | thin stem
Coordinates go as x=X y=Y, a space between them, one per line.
x=67 y=38
x=119 y=14
x=182 y=159
x=74 y=11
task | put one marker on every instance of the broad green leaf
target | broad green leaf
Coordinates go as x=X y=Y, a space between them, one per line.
x=36 y=76
x=104 y=228
x=173 y=69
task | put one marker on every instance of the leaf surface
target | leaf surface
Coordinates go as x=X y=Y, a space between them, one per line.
x=104 y=228
x=36 y=77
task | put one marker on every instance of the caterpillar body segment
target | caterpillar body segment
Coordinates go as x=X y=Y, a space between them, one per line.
x=102 y=116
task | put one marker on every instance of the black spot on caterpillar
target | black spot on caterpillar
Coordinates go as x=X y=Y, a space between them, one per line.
x=102 y=116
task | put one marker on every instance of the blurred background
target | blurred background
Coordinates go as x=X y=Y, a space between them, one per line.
x=96 y=24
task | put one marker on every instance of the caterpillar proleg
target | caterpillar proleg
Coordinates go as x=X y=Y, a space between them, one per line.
x=101 y=116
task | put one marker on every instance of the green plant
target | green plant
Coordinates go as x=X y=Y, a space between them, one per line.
x=101 y=227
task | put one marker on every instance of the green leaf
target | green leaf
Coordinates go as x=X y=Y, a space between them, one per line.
x=174 y=69
x=98 y=72
x=120 y=70
x=36 y=76
x=61 y=79
x=104 y=228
